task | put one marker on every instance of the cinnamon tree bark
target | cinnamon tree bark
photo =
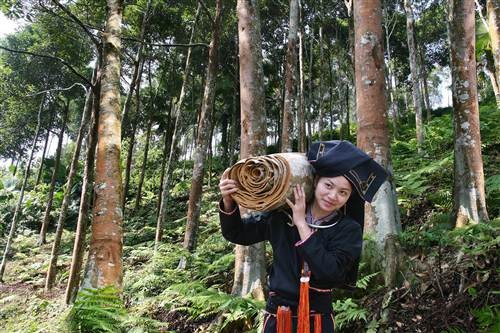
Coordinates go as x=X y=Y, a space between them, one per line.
x=469 y=195
x=249 y=271
x=203 y=137
x=382 y=215
x=104 y=265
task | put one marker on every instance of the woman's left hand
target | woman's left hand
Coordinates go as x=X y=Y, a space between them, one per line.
x=299 y=211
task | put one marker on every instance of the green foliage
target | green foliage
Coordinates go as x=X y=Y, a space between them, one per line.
x=488 y=318
x=201 y=302
x=347 y=312
x=493 y=195
x=364 y=281
x=99 y=310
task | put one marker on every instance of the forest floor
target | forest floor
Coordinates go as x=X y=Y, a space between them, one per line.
x=450 y=280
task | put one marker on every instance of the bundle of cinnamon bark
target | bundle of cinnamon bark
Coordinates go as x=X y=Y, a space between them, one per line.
x=266 y=181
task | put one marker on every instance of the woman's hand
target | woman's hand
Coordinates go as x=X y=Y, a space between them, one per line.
x=227 y=187
x=299 y=211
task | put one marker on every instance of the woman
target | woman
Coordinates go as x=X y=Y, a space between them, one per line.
x=321 y=247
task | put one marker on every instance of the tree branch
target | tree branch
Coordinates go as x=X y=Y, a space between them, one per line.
x=58 y=89
x=202 y=3
x=64 y=62
x=78 y=22
x=165 y=45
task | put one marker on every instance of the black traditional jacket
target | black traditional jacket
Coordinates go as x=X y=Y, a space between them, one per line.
x=330 y=254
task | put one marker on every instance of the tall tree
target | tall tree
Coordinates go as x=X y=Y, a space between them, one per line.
x=50 y=196
x=416 y=92
x=389 y=25
x=469 y=194
x=493 y=10
x=173 y=141
x=13 y=224
x=51 y=271
x=321 y=116
x=45 y=145
x=301 y=116
x=137 y=70
x=104 y=265
x=87 y=183
x=381 y=216
x=131 y=144
x=249 y=271
x=203 y=137
x=290 y=79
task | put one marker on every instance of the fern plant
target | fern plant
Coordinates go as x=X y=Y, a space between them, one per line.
x=97 y=310
x=200 y=302
x=348 y=312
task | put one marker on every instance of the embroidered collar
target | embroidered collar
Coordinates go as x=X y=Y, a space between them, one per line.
x=324 y=222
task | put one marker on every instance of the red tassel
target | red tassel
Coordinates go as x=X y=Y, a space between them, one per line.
x=303 y=325
x=283 y=320
x=317 y=323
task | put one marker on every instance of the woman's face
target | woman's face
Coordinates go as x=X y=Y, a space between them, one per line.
x=331 y=193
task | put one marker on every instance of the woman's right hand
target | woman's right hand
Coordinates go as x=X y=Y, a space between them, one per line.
x=227 y=187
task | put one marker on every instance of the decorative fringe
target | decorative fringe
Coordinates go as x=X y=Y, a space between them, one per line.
x=284 y=320
x=303 y=325
x=317 y=323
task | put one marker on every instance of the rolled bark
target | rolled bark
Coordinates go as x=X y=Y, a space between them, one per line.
x=265 y=182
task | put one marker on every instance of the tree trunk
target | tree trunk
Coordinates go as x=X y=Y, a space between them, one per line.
x=321 y=125
x=85 y=197
x=416 y=93
x=50 y=198
x=301 y=109
x=346 y=130
x=13 y=225
x=423 y=82
x=143 y=168
x=493 y=10
x=42 y=159
x=290 y=95
x=137 y=72
x=128 y=164
x=469 y=194
x=52 y=269
x=233 y=134
x=104 y=264
x=382 y=216
x=249 y=272
x=310 y=88
x=203 y=138
x=176 y=114
x=15 y=166
x=391 y=85
x=167 y=137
